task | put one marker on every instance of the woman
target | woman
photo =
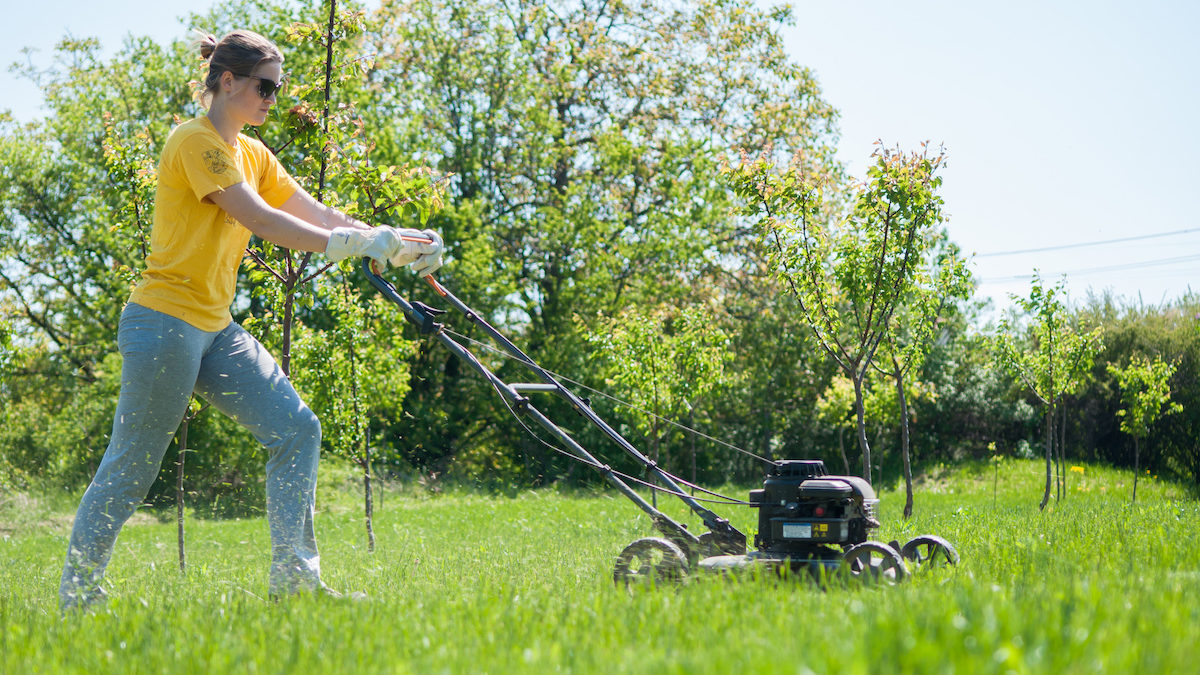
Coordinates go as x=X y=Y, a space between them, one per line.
x=216 y=187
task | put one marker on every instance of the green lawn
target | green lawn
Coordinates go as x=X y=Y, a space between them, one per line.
x=482 y=584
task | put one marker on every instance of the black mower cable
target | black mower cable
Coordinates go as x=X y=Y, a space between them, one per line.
x=724 y=499
x=701 y=434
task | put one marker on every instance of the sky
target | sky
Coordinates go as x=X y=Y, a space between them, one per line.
x=1068 y=126
x=1065 y=124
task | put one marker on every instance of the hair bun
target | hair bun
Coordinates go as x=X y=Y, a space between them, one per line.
x=207 y=43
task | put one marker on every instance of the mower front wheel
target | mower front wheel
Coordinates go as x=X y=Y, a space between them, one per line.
x=929 y=551
x=650 y=561
x=874 y=562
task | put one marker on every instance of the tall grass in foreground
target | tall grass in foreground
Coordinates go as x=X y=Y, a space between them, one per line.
x=478 y=584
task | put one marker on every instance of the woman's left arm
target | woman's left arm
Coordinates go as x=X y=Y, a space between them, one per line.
x=304 y=207
x=422 y=248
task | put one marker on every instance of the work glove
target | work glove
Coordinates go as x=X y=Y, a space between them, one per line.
x=425 y=254
x=378 y=243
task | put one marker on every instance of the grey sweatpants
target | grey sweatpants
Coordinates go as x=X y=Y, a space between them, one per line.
x=165 y=360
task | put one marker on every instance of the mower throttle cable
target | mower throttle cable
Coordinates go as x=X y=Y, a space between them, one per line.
x=631 y=406
x=724 y=499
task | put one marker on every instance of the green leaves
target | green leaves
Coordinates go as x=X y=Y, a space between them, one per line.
x=668 y=360
x=671 y=364
x=389 y=193
x=568 y=154
x=355 y=373
x=75 y=193
x=131 y=167
x=850 y=271
x=794 y=224
x=1145 y=393
x=1051 y=355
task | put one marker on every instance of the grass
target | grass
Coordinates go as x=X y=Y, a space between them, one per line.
x=467 y=583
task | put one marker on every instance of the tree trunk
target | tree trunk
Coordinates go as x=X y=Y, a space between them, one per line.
x=692 y=441
x=842 y=449
x=368 y=505
x=995 y=482
x=654 y=456
x=766 y=425
x=1057 y=458
x=908 y=489
x=1062 y=451
x=1049 y=449
x=183 y=434
x=654 y=440
x=1136 y=467
x=879 y=438
x=289 y=316
x=862 y=426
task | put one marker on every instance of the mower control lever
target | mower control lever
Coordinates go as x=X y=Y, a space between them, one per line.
x=424 y=319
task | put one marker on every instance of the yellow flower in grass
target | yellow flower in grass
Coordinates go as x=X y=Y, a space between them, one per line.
x=1077 y=469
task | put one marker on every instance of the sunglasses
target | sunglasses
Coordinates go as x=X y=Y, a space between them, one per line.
x=268 y=88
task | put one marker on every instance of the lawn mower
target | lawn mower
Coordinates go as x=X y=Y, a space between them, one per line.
x=808 y=521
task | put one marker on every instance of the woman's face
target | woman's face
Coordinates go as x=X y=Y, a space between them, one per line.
x=245 y=98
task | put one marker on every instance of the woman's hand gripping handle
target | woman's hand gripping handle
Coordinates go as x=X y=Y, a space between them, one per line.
x=421 y=249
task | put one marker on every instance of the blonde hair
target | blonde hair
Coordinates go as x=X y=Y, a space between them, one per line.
x=238 y=52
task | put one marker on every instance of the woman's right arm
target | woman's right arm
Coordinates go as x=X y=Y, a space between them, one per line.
x=273 y=225
x=382 y=244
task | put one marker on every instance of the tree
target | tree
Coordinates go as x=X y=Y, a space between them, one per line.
x=73 y=193
x=337 y=150
x=850 y=274
x=1146 y=395
x=357 y=378
x=323 y=133
x=668 y=363
x=74 y=222
x=1131 y=329
x=1051 y=357
x=944 y=279
x=585 y=140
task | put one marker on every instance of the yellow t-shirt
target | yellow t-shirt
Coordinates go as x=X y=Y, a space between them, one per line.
x=195 y=247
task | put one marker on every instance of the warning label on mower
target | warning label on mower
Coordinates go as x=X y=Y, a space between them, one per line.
x=805 y=530
x=797 y=531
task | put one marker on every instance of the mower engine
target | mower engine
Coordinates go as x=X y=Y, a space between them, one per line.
x=803 y=511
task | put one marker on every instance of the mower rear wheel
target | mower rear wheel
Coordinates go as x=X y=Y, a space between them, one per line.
x=874 y=562
x=650 y=561
x=929 y=551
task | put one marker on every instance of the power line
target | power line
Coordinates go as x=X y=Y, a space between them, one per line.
x=1087 y=243
x=1095 y=270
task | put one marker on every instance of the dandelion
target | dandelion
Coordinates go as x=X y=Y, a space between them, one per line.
x=1077 y=469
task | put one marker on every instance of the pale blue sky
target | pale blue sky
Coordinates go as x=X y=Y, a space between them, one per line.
x=1065 y=122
